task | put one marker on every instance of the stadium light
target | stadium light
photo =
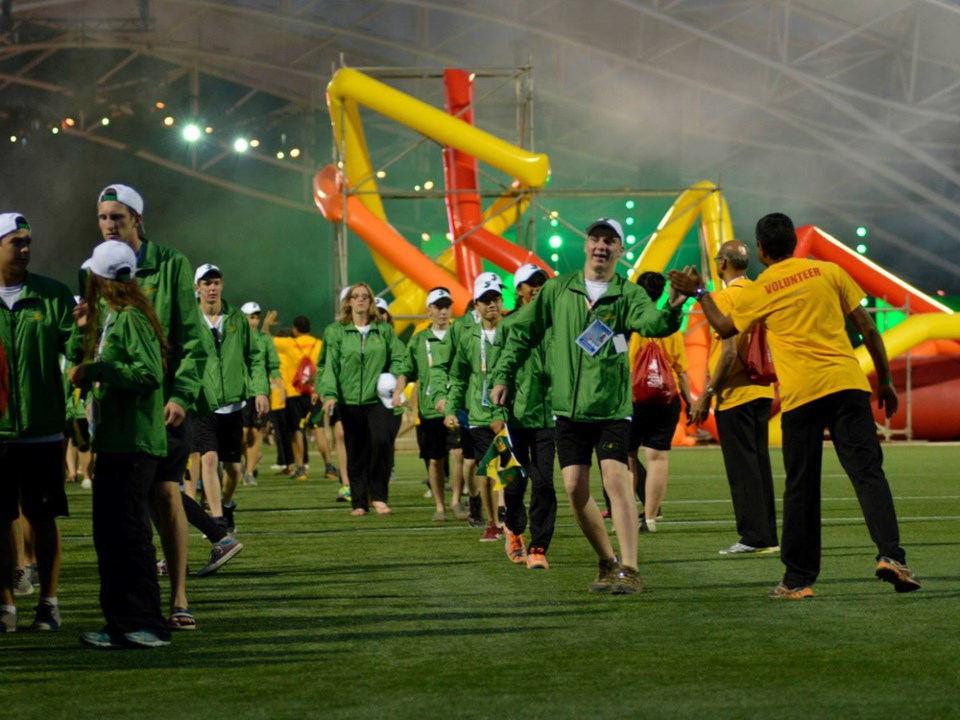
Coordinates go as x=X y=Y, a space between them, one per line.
x=192 y=133
x=862 y=249
x=556 y=241
x=241 y=145
x=862 y=232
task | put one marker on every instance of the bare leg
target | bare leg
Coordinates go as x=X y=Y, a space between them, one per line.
x=658 y=470
x=190 y=486
x=488 y=497
x=211 y=483
x=252 y=443
x=70 y=460
x=470 y=476
x=618 y=483
x=299 y=448
x=341 y=453
x=576 y=481
x=86 y=465
x=323 y=447
x=456 y=481
x=435 y=474
x=231 y=476
x=172 y=524
x=47 y=537
x=6 y=562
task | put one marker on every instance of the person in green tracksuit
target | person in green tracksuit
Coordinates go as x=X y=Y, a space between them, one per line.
x=464 y=470
x=235 y=372
x=428 y=356
x=591 y=312
x=533 y=436
x=36 y=326
x=475 y=355
x=165 y=276
x=124 y=348
x=253 y=425
x=359 y=348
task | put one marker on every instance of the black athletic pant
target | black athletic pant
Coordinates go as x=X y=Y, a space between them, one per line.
x=848 y=417
x=744 y=433
x=284 y=449
x=536 y=451
x=129 y=591
x=368 y=435
x=214 y=531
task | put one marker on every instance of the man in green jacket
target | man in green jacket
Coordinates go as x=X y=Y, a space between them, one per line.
x=428 y=355
x=166 y=279
x=591 y=312
x=36 y=325
x=252 y=424
x=475 y=356
x=235 y=372
x=533 y=436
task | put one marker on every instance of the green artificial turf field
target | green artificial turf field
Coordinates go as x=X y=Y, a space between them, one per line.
x=328 y=616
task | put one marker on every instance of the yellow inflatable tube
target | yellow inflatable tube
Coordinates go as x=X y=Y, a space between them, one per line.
x=910 y=333
x=530 y=168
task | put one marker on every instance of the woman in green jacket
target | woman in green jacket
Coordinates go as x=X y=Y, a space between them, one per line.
x=359 y=348
x=124 y=363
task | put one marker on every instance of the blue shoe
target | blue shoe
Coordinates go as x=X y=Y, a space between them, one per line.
x=222 y=553
x=100 y=639
x=143 y=639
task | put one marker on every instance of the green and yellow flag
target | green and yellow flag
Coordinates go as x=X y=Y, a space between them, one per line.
x=499 y=461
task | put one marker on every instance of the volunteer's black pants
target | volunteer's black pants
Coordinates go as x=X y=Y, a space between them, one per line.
x=847 y=415
x=129 y=591
x=368 y=435
x=744 y=438
x=535 y=450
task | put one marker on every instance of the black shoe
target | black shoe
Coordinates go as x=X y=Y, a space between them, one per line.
x=231 y=526
x=476 y=512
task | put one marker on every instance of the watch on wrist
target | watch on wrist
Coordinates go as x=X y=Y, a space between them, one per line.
x=699 y=293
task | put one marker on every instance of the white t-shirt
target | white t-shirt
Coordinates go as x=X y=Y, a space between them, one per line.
x=10 y=294
x=491 y=334
x=595 y=288
x=363 y=330
x=440 y=334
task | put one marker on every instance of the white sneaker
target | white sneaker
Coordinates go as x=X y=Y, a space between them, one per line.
x=21 y=582
x=738 y=548
x=86 y=484
x=8 y=621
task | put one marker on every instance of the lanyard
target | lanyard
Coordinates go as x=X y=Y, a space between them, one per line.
x=103 y=334
x=483 y=350
x=429 y=352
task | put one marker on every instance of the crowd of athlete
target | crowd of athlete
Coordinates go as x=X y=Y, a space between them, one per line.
x=170 y=387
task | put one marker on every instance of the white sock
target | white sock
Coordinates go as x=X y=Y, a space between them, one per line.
x=8 y=609
x=51 y=601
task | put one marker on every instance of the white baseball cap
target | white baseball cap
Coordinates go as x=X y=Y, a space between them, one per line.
x=344 y=292
x=11 y=222
x=113 y=260
x=386 y=384
x=487 y=282
x=382 y=304
x=606 y=222
x=205 y=270
x=525 y=272
x=249 y=308
x=438 y=294
x=124 y=194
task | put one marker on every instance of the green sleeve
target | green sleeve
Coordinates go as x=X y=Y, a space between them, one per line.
x=255 y=359
x=137 y=364
x=645 y=318
x=526 y=332
x=398 y=355
x=329 y=386
x=411 y=373
x=185 y=336
x=458 y=378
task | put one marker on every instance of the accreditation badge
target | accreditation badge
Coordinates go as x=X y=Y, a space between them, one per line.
x=594 y=337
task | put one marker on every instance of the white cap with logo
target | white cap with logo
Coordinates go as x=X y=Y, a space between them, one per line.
x=249 y=308
x=386 y=384
x=382 y=304
x=438 y=294
x=344 y=292
x=205 y=270
x=11 y=222
x=487 y=282
x=124 y=194
x=606 y=222
x=525 y=272
x=113 y=260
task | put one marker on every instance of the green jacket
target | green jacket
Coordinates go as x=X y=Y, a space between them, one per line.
x=470 y=383
x=530 y=400
x=352 y=365
x=128 y=403
x=428 y=358
x=72 y=395
x=166 y=278
x=236 y=366
x=34 y=334
x=264 y=344
x=585 y=387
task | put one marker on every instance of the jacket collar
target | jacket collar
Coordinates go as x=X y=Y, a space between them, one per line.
x=615 y=289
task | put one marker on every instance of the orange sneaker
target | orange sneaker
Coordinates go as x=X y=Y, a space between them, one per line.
x=898 y=574
x=785 y=592
x=513 y=544
x=537 y=559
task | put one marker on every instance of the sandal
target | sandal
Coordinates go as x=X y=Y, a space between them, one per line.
x=181 y=619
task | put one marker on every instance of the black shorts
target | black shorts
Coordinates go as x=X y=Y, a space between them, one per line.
x=432 y=438
x=480 y=439
x=221 y=434
x=577 y=441
x=653 y=426
x=179 y=446
x=78 y=430
x=466 y=444
x=249 y=416
x=315 y=418
x=31 y=475
x=297 y=412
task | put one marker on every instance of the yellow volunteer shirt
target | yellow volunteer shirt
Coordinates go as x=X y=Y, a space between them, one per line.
x=804 y=304
x=737 y=388
x=291 y=350
x=673 y=349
